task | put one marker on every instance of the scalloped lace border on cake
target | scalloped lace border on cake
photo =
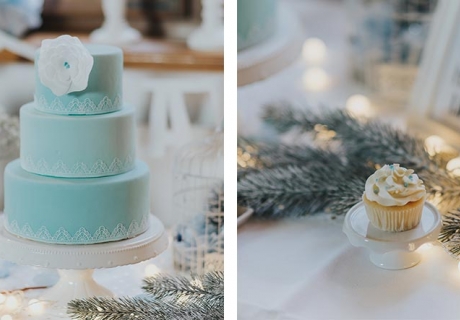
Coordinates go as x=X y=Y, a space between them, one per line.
x=77 y=106
x=80 y=169
x=82 y=235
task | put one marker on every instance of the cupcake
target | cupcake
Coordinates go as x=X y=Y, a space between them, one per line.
x=394 y=197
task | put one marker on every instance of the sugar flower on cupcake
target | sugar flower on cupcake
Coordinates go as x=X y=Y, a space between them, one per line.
x=394 y=197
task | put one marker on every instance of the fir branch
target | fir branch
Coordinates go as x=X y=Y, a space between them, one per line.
x=363 y=140
x=278 y=155
x=213 y=282
x=170 y=298
x=442 y=188
x=136 y=308
x=208 y=288
x=450 y=233
x=299 y=190
x=283 y=118
x=296 y=180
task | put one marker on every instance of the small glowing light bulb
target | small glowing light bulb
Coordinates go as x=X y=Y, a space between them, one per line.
x=6 y=317
x=11 y=303
x=314 y=51
x=425 y=247
x=434 y=144
x=36 y=307
x=316 y=79
x=453 y=166
x=151 y=270
x=359 y=106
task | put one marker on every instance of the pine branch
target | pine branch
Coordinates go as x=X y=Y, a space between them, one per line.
x=362 y=140
x=296 y=180
x=278 y=155
x=214 y=282
x=208 y=288
x=450 y=233
x=442 y=188
x=170 y=298
x=300 y=190
x=136 y=308
x=284 y=118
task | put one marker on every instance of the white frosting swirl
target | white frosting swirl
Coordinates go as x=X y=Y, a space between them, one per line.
x=393 y=185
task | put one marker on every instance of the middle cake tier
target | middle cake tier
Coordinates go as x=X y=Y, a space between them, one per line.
x=76 y=211
x=77 y=146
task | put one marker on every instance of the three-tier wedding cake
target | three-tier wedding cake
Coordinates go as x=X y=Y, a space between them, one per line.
x=77 y=180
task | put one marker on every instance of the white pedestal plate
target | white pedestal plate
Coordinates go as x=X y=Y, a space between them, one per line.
x=76 y=262
x=273 y=55
x=392 y=250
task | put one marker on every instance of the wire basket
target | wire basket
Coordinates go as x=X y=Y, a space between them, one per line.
x=198 y=199
x=387 y=40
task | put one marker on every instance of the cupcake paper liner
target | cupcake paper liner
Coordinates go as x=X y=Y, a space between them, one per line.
x=395 y=218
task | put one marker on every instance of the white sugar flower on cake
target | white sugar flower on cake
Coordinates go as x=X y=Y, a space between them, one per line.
x=64 y=65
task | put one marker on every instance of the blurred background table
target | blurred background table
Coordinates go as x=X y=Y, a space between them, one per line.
x=150 y=53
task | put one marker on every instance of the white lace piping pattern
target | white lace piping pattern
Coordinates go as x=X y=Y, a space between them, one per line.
x=79 y=169
x=77 y=106
x=82 y=235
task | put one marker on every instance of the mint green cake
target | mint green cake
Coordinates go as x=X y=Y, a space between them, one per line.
x=77 y=146
x=103 y=93
x=256 y=21
x=77 y=180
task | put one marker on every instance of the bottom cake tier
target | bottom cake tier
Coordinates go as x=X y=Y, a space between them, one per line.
x=76 y=211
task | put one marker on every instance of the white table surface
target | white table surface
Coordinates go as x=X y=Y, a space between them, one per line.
x=306 y=268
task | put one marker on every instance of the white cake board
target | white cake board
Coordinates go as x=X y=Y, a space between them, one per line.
x=392 y=250
x=76 y=262
x=273 y=55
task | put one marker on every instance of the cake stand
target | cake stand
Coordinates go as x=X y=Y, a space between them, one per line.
x=75 y=263
x=392 y=250
x=272 y=55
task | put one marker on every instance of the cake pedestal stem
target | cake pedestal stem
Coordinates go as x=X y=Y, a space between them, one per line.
x=74 y=284
x=392 y=250
x=395 y=260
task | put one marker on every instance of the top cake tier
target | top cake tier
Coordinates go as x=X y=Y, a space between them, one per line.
x=69 y=82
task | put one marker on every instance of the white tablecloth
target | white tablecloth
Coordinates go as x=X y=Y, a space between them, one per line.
x=306 y=269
